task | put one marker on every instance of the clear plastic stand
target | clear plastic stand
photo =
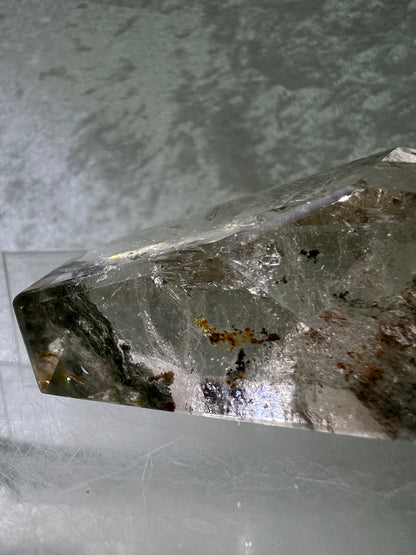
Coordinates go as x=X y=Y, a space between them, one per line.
x=86 y=477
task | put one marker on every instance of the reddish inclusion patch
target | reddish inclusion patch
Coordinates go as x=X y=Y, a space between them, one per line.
x=233 y=338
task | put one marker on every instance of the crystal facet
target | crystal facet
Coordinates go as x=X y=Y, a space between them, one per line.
x=296 y=305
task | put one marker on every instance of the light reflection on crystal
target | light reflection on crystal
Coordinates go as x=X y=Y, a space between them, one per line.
x=295 y=305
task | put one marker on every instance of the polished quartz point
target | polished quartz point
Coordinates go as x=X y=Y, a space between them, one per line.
x=296 y=305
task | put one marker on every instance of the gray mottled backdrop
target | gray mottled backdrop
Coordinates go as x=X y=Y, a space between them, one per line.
x=116 y=115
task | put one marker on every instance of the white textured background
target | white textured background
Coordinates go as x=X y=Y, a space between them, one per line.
x=118 y=114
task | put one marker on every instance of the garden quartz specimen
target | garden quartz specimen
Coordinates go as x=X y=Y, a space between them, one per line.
x=296 y=305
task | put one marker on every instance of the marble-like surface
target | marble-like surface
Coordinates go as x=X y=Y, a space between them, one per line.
x=119 y=114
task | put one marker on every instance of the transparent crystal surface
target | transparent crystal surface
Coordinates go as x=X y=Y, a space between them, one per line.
x=293 y=306
x=79 y=477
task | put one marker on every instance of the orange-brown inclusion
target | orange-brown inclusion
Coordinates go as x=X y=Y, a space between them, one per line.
x=48 y=355
x=167 y=377
x=372 y=374
x=233 y=338
x=45 y=380
x=47 y=376
x=369 y=375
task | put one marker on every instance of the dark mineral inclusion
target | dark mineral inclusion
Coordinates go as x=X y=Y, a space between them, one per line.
x=296 y=305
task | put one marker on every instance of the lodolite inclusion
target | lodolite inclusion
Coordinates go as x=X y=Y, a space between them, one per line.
x=296 y=305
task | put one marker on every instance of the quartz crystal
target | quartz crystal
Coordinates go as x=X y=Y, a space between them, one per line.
x=293 y=306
